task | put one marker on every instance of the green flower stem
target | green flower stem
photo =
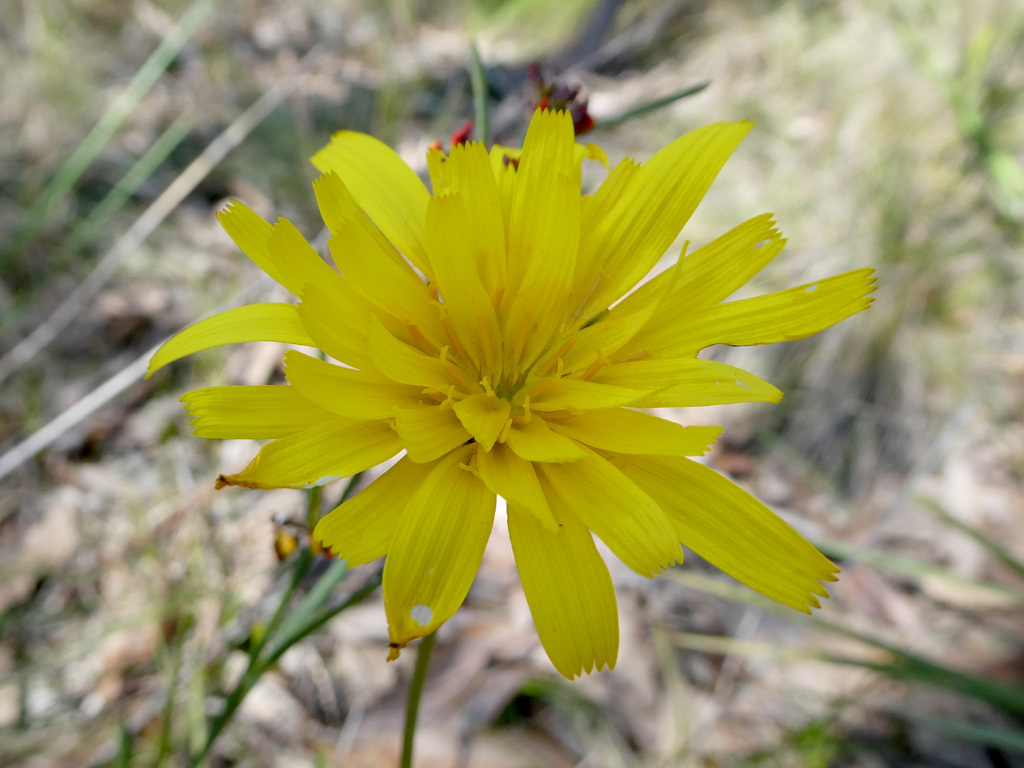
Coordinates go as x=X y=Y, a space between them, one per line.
x=302 y=564
x=419 y=676
x=280 y=634
x=291 y=634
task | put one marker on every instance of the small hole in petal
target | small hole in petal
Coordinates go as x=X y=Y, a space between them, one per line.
x=422 y=614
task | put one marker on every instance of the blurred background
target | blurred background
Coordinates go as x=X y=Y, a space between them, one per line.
x=888 y=134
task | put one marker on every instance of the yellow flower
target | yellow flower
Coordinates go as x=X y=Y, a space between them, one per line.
x=477 y=330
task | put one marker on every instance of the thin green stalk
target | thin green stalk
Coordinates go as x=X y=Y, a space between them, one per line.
x=651 y=106
x=281 y=634
x=302 y=564
x=290 y=635
x=478 y=82
x=902 y=665
x=412 y=707
x=167 y=718
x=301 y=568
x=73 y=168
x=993 y=547
x=143 y=168
x=124 y=749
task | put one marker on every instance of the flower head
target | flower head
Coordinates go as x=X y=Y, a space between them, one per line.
x=482 y=331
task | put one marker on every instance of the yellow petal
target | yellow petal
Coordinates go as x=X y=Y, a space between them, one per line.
x=295 y=261
x=319 y=455
x=346 y=391
x=543 y=237
x=473 y=181
x=630 y=239
x=625 y=431
x=713 y=272
x=598 y=206
x=384 y=186
x=279 y=250
x=360 y=530
x=336 y=316
x=429 y=432
x=370 y=264
x=576 y=394
x=732 y=530
x=439 y=172
x=436 y=549
x=250 y=232
x=400 y=362
x=503 y=157
x=615 y=509
x=536 y=441
x=255 y=413
x=349 y=224
x=569 y=592
x=465 y=245
x=783 y=316
x=253 y=322
x=483 y=417
x=515 y=480
x=591 y=152
x=504 y=161
x=603 y=335
x=688 y=382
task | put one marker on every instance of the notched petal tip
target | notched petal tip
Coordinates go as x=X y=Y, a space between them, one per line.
x=223 y=481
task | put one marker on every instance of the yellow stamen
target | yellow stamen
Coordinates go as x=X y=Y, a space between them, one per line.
x=437 y=397
x=517 y=350
x=556 y=358
x=454 y=372
x=491 y=395
x=485 y=341
x=449 y=329
x=595 y=366
x=420 y=339
x=542 y=387
x=448 y=397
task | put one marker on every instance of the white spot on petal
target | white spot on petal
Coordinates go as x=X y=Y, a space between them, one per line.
x=321 y=481
x=422 y=614
x=739 y=383
x=811 y=288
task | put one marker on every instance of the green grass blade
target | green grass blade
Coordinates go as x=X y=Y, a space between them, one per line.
x=987 y=735
x=994 y=548
x=643 y=109
x=478 y=81
x=904 y=665
x=86 y=229
x=917 y=569
x=73 y=168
